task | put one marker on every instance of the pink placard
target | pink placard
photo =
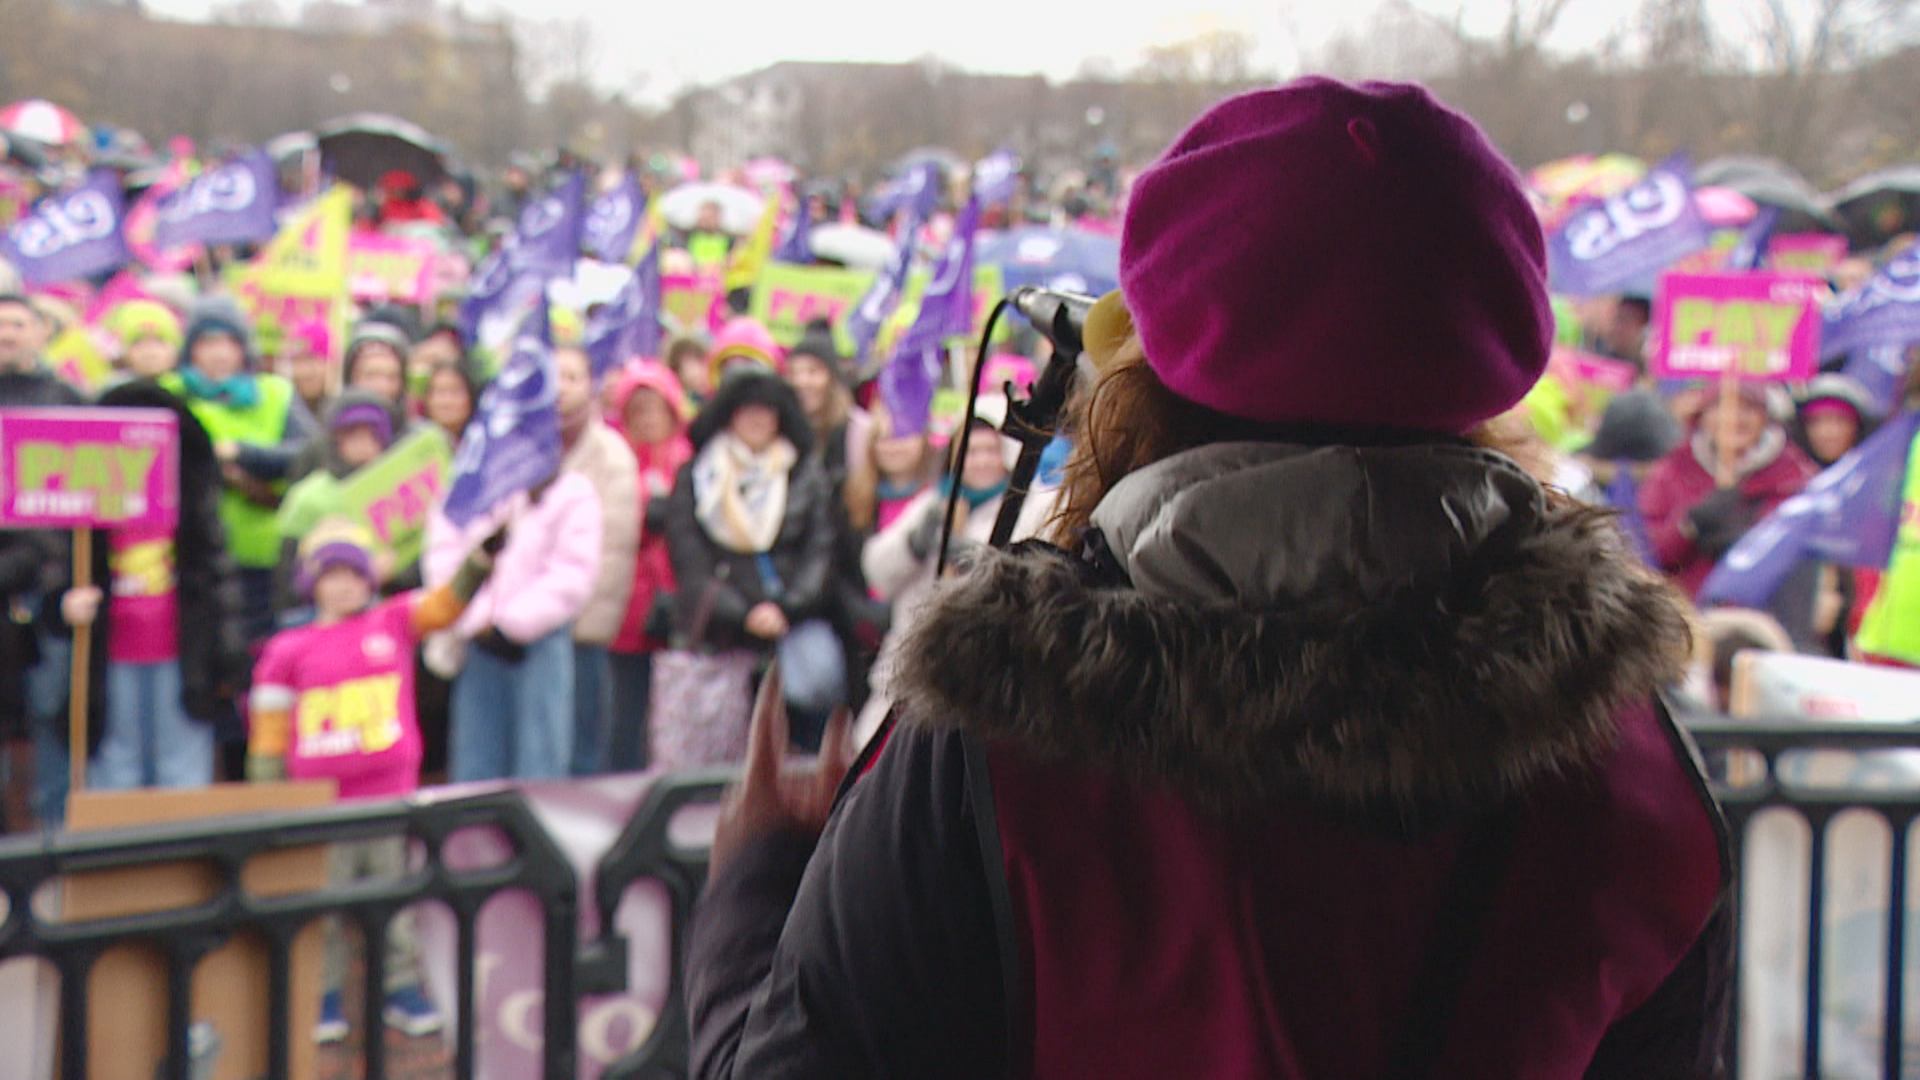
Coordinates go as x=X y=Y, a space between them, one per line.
x=1586 y=369
x=87 y=468
x=396 y=268
x=1761 y=326
x=1806 y=253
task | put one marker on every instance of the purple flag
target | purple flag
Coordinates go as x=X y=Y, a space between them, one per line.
x=917 y=198
x=233 y=203
x=797 y=245
x=546 y=239
x=71 y=236
x=1640 y=231
x=513 y=443
x=629 y=326
x=613 y=221
x=1884 y=311
x=1882 y=369
x=996 y=178
x=917 y=193
x=907 y=384
x=946 y=308
x=1849 y=514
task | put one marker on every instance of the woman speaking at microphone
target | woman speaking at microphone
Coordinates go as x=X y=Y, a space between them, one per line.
x=1325 y=744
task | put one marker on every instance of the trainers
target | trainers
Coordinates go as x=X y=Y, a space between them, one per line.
x=333 y=1019
x=409 y=1012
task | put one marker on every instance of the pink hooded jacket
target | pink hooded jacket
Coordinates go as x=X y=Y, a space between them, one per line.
x=652 y=570
x=544 y=576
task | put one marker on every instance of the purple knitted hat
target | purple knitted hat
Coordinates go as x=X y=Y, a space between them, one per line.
x=1321 y=253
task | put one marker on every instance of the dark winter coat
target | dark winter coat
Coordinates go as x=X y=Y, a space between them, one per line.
x=716 y=587
x=1681 y=482
x=33 y=564
x=214 y=665
x=1343 y=763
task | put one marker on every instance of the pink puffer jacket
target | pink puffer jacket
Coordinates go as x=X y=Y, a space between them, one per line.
x=544 y=576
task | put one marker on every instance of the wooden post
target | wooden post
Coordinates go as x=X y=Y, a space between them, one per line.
x=1728 y=473
x=82 y=666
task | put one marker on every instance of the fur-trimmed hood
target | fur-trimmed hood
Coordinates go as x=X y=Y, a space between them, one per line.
x=1394 y=633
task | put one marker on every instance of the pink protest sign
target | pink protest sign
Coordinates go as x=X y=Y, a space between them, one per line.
x=1586 y=369
x=397 y=268
x=1806 y=253
x=87 y=468
x=1760 y=326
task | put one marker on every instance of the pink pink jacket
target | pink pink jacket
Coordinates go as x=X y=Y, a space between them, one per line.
x=544 y=576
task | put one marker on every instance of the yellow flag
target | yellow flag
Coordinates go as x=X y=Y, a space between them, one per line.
x=75 y=358
x=308 y=257
x=743 y=269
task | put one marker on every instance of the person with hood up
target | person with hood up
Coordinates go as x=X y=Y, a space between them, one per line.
x=169 y=656
x=513 y=696
x=1329 y=745
x=597 y=452
x=1692 y=517
x=259 y=429
x=751 y=538
x=304 y=360
x=649 y=410
x=358 y=430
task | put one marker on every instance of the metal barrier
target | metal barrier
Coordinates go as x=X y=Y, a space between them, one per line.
x=648 y=850
x=1818 y=807
x=186 y=935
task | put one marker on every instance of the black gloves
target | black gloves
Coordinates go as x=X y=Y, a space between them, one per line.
x=1719 y=521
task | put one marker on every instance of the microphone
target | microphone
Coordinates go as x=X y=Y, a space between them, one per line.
x=1061 y=317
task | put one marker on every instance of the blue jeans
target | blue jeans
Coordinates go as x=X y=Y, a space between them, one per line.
x=150 y=741
x=47 y=687
x=592 y=698
x=627 y=731
x=514 y=720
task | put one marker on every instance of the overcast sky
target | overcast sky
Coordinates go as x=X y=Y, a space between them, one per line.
x=671 y=43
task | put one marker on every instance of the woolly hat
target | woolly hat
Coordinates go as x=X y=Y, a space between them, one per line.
x=137 y=319
x=1838 y=391
x=211 y=318
x=745 y=339
x=378 y=333
x=362 y=410
x=330 y=544
x=1637 y=426
x=817 y=341
x=1329 y=254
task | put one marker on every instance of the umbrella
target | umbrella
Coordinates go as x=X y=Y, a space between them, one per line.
x=42 y=121
x=948 y=161
x=1071 y=260
x=362 y=148
x=1771 y=183
x=739 y=208
x=766 y=172
x=290 y=145
x=1879 y=206
x=852 y=245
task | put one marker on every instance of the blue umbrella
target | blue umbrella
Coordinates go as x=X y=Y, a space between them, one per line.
x=1070 y=260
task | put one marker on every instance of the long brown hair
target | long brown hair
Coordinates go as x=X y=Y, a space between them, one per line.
x=1131 y=420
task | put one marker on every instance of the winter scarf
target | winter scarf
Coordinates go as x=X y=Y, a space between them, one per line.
x=1765 y=452
x=740 y=497
x=238 y=391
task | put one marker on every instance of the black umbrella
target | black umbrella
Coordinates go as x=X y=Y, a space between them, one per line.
x=1880 y=206
x=364 y=147
x=1771 y=183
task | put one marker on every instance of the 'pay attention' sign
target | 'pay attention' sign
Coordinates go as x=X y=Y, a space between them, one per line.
x=89 y=468
x=1760 y=326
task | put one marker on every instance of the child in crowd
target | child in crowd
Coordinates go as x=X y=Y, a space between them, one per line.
x=359 y=430
x=149 y=334
x=334 y=699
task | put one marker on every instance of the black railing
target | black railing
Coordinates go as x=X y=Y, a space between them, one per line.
x=649 y=850
x=1757 y=748
x=186 y=935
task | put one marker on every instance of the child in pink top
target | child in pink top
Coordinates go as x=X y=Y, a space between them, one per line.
x=334 y=699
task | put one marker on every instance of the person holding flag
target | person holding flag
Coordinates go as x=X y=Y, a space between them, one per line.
x=513 y=696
